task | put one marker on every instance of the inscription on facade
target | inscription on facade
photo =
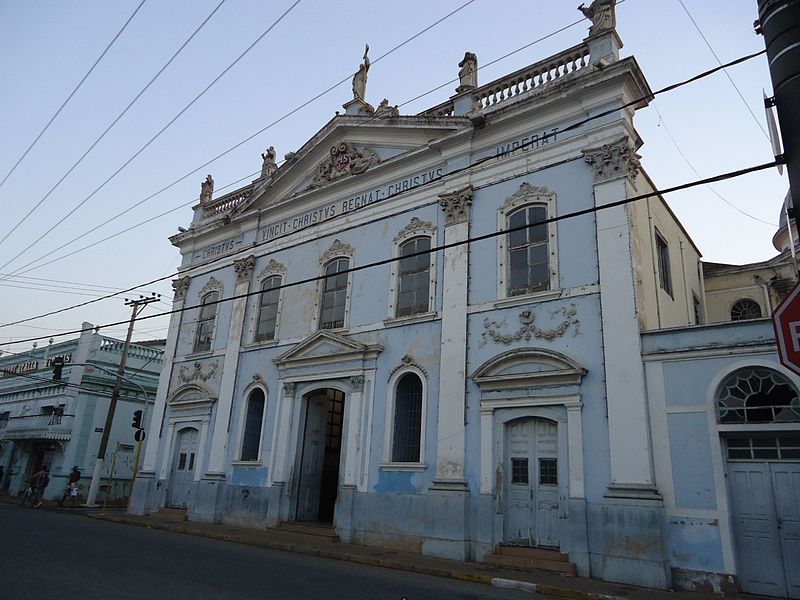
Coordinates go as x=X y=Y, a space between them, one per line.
x=226 y=247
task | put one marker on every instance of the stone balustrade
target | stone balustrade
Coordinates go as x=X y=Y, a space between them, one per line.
x=226 y=202
x=49 y=427
x=539 y=74
x=134 y=351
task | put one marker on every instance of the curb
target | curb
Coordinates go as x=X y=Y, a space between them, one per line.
x=500 y=582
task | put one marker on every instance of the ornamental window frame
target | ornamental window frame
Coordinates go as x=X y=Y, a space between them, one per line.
x=338 y=251
x=244 y=413
x=527 y=196
x=388 y=463
x=273 y=269
x=213 y=286
x=415 y=229
x=743 y=415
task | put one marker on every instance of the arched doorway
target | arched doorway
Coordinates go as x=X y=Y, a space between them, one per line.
x=181 y=479
x=321 y=453
x=531 y=483
x=758 y=409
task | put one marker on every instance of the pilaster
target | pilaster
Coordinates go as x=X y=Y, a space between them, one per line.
x=451 y=436
x=72 y=405
x=219 y=439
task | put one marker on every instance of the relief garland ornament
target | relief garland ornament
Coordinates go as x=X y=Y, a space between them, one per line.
x=344 y=160
x=187 y=374
x=528 y=330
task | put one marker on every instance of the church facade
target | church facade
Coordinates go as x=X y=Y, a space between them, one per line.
x=425 y=330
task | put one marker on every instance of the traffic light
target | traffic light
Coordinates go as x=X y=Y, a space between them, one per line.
x=137 y=419
x=58 y=366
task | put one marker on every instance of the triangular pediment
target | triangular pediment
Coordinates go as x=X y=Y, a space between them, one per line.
x=326 y=347
x=347 y=151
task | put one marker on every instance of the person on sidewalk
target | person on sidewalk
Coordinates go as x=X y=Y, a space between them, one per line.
x=39 y=482
x=72 y=486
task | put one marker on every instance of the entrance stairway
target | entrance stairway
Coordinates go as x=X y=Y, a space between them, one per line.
x=310 y=531
x=525 y=559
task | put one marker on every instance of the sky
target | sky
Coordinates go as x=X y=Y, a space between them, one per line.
x=709 y=127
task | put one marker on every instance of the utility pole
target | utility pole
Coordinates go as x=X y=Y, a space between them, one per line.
x=137 y=307
x=779 y=22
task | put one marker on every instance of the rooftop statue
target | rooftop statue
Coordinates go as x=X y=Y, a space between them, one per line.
x=468 y=74
x=268 y=167
x=360 y=78
x=601 y=14
x=206 y=189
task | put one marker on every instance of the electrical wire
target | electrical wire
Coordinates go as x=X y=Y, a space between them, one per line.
x=153 y=138
x=443 y=247
x=575 y=125
x=77 y=87
x=228 y=151
x=733 y=83
x=114 y=122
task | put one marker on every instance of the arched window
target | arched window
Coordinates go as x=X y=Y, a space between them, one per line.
x=268 y=309
x=205 y=322
x=251 y=440
x=528 y=251
x=744 y=309
x=334 y=294
x=407 y=419
x=414 y=277
x=757 y=395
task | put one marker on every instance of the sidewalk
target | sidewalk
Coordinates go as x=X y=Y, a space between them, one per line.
x=543 y=582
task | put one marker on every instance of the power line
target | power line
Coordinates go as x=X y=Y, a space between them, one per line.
x=77 y=87
x=114 y=122
x=443 y=247
x=228 y=151
x=696 y=172
x=153 y=138
x=575 y=125
x=747 y=106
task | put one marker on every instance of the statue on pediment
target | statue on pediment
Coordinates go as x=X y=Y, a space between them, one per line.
x=468 y=73
x=385 y=111
x=360 y=78
x=268 y=167
x=343 y=159
x=206 y=189
x=601 y=14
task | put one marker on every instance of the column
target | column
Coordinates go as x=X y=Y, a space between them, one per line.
x=451 y=436
x=219 y=439
x=353 y=434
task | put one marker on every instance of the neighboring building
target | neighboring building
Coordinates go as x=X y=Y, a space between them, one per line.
x=59 y=423
x=452 y=402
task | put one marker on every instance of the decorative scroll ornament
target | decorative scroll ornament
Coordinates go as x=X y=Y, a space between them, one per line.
x=456 y=205
x=343 y=160
x=527 y=193
x=273 y=268
x=244 y=267
x=416 y=226
x=613 y=160
x=357 y=383
x=288 y=389
x=338 y=248
x=408 y=361
x=528 y=330
x=179 y=287
x=212 y=285
x=187 y=374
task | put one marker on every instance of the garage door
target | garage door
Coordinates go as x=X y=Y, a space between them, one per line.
x=764 y=481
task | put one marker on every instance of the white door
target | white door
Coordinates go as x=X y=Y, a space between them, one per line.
x=312 y=459
x=531 y=483
x=765 y=498
x=183 y=464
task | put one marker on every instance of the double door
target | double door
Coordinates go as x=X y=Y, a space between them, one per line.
x=181 y=483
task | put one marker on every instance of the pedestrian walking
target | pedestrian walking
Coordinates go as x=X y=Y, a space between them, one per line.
x=39 y=482
x=72 y=486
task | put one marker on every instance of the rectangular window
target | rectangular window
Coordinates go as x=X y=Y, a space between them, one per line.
x=528 y=251
x=205 y=322
x=334 y=294
x=548 y=471
x=268 y=309
x=414 y=278
x=181 y=461
x=760 y=448
x=519 y=471
x=698 y=314
x=664 y=275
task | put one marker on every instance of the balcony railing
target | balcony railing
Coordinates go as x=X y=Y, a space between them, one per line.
x=227 y=202
x=47 y=427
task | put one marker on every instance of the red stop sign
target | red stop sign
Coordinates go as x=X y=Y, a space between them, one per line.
x=786 y=321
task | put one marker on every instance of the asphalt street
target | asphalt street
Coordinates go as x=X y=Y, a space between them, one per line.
x=46 y=554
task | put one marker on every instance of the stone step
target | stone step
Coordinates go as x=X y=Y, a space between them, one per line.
x=316 y=531
x=533 y=553
x=557 y=566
